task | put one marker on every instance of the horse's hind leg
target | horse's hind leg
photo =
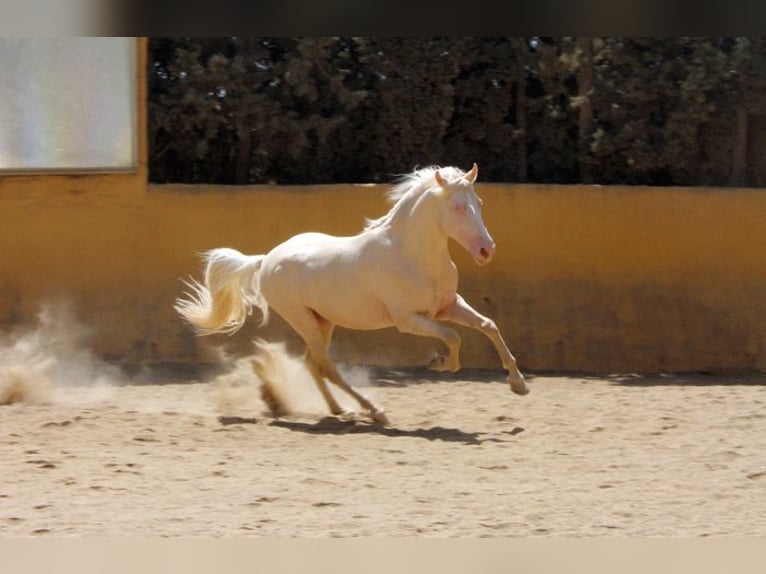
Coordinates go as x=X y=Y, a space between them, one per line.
x=331 y=372
x=322 y=367
x=316 y=374
x=316 y=333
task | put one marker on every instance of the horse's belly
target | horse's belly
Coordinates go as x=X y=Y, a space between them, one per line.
x=355 y=312
x=344 y=297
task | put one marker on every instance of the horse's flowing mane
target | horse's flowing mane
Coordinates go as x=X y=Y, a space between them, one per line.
x=411 y=186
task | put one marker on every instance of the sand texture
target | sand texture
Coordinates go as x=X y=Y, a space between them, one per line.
x=462 y=457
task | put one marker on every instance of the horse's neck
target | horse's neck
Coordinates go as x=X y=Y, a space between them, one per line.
x=418 y=233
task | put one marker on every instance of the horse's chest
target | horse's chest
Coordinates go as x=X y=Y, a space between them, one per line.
x=443 y=296
x=431 y=292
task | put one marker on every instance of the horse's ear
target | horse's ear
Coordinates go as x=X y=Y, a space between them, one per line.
x=471 y=175
x=439 y=179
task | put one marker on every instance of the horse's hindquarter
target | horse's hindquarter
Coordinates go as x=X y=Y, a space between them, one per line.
x=357 y=282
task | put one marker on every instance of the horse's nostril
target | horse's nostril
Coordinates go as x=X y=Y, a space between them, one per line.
x=484 y=253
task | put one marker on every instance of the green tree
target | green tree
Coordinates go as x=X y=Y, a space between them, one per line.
x=484 y=125
x=404 y=121
x=663 y=110
x=658 y=111
x=239 y=110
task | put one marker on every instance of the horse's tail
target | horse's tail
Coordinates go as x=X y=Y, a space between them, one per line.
x=224 y=300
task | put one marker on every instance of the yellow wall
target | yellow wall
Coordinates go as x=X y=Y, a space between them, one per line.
x=607 y=279
x=586 y=278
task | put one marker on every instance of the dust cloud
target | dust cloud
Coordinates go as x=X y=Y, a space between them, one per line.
x=49 y=362
x=281 y=382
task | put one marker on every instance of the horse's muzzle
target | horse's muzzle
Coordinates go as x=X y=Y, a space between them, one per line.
x=485 y=253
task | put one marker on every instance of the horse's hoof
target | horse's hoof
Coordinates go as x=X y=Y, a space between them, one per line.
x=443 y=364
x=380 y=417
x=518 y=386
x=439 y=364
x=346 y=415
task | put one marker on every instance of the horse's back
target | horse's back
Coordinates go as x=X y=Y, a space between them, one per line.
x=311 y=250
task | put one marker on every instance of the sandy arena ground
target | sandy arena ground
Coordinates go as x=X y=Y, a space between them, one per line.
x=463 y=457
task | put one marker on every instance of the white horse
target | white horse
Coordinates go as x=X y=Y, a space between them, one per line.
x=396 y=272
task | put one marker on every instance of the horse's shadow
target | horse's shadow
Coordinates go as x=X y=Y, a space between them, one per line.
x=335 y=426
x=409 y=376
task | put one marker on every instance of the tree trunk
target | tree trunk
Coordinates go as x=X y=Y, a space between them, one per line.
x=739 y=161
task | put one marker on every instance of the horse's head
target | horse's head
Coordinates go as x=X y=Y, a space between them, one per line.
x=461 y=215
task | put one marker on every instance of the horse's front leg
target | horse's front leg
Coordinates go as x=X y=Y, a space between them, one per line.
x=462 y=313
x=419 y=324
